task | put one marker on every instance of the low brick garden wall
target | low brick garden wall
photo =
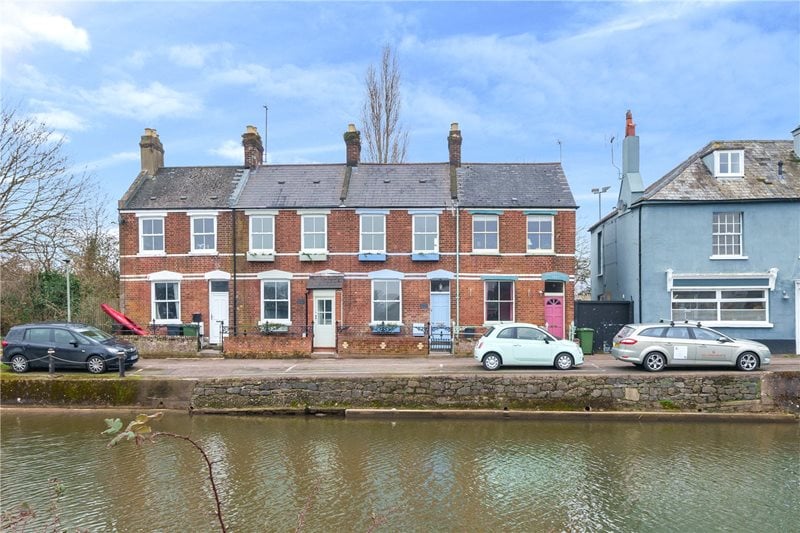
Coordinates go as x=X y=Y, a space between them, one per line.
x=267 y=347
x=743 y=393
x=157 y=346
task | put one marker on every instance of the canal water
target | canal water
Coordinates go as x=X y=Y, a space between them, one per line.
x=334 y=474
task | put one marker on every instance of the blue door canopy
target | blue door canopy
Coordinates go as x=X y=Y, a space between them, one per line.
x=555 y=276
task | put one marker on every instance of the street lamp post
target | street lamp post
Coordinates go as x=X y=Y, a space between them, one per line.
x=69 y=295
x=599 y=192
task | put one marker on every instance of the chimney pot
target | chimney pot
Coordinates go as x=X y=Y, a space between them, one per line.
x=630 y=127
x=351 y=127
x=454 y=126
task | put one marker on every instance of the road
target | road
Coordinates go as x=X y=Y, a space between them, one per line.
x=600 y=364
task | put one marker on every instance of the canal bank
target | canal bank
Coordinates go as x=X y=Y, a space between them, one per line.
x=755 y=393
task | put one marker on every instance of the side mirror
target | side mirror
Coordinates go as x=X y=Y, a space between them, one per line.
x=723 y=340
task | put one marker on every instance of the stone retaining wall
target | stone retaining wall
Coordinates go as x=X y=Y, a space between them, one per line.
x=674 y=393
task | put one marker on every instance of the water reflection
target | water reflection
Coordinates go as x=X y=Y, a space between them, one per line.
x=421 y=475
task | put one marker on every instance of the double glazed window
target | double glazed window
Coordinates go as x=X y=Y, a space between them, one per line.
x=386 y=301
x=315 y=233
x=166 y=301
x=151 y=235
x=262 y=233
x=726 y=234
x=540 y=233
x=204 y=234
x=373 y=234
x=722 y=305
x=484 y=233
x=499 y=301
x=426 y=234
x=275 y=301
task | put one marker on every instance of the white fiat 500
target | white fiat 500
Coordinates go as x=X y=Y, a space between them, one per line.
x=525 y=345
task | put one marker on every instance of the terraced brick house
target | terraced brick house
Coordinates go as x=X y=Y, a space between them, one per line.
x=393 y=251
x=715 y=240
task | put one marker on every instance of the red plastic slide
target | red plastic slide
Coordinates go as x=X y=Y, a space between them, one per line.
x=122 y=320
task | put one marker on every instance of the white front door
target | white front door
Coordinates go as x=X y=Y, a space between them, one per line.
x=218 y=311
x=324 y=319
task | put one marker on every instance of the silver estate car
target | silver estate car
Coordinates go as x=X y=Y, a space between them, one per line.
x=656 y=346
x=525 y=345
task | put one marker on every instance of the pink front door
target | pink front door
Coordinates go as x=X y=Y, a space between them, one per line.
x=554 y=315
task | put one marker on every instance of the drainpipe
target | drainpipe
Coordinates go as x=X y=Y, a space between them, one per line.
x=458 y=270
x=235 y=292
x=640 y=265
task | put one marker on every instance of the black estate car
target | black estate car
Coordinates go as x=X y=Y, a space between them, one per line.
x=74 y=346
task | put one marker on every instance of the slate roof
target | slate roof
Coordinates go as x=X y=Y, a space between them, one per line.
x=399 y=185
x=693 y=181
x=292 y=186
x=514 y=185
x=183 y=188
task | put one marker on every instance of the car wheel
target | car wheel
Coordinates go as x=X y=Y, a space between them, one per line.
x=563 y=361
x=96 y=365
x=747 y=362
x=654 y=362
x=492 y=361
x=19 y=363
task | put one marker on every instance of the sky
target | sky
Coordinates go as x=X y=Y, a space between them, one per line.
x=526 y=81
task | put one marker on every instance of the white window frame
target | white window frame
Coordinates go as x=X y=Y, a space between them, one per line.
x=486 y=218
x=303 y=233
x=724 y=160
x=372 y=233
x=719 y=231
x=154 y=302
x=426 y=234
x=374 y=319
x=285 y=321
x=551 y=233
x=498 y=301
x=721 y=297
x=142 y=235
x=253 y=233
x=193 y=217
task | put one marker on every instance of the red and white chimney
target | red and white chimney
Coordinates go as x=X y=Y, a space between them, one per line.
x=253 y=149
x=352 y=141
x=152 y=152
x=454 y=145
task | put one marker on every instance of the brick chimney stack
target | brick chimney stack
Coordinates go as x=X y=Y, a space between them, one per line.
x=253 y=149
x=454 y=145
x=152 y=151
x=352 y=140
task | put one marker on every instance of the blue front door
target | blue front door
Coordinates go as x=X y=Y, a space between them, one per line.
x=440 y=309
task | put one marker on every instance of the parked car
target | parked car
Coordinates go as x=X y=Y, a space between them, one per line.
x=656 y=346
x=525 y=345
x=74 y=346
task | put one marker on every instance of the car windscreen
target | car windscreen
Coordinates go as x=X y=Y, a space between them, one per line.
x=95 y=334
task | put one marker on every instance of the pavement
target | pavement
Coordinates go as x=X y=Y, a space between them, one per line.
x=209 y=367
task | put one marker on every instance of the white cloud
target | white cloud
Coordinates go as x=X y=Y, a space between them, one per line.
x=60 y=119
x=111 y=160
x=23 y=26
x=229 y=150
x=195 y=55
x=155 y=101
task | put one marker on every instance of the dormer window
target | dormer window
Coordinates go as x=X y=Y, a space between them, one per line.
x=729 y=163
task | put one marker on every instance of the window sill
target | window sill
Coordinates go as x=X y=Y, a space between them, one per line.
x=166 y=322
x=260 y=256
x=485 y=252
x=276 y=321
x=372 y=256
x=728 y=257
x=203 y=252
x=313 y=256
x=732 y=324
x=425 y=256
x=152 y=254
x=540 y=252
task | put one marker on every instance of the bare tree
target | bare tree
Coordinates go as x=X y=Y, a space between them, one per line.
x=38 y=195
x=380 y=114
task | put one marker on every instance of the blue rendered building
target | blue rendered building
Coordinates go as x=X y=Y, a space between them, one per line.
x=715 y=240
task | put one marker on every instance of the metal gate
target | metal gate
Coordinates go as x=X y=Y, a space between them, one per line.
x=440 y=338
x=605 y=317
